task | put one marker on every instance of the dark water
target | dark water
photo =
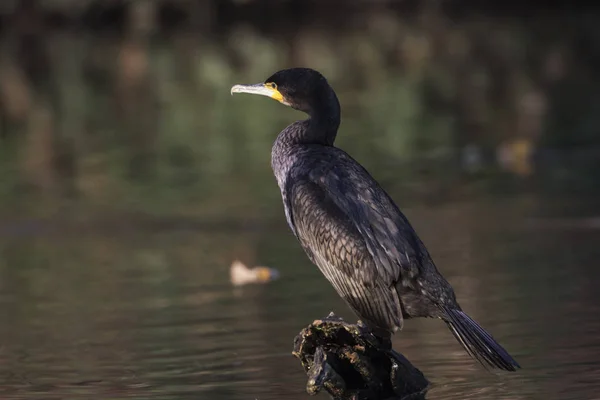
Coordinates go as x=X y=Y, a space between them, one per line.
x=142 y=314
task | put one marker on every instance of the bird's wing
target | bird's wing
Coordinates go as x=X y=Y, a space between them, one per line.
x=389 y=236
x=331 y=231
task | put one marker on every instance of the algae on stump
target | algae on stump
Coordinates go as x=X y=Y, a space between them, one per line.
x=349 y=362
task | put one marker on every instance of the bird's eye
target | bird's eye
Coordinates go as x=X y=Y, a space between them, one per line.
x=272 y=85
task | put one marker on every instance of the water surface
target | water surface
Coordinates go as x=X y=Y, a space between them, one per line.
x=150 y=314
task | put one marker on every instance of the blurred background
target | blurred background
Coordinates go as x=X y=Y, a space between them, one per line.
x=130 y=179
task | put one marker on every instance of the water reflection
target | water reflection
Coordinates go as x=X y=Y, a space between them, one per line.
x=145 y=314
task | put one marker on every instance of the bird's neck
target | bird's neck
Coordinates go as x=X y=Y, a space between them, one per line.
x=324 y=120
x=320 y=128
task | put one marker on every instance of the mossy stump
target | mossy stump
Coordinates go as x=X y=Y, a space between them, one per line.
x=349 y=362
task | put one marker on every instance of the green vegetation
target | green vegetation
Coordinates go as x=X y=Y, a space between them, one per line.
x=144 y=120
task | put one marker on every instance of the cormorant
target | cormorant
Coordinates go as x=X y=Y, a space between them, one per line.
x=351 y=228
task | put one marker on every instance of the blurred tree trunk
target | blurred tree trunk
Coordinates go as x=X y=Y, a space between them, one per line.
x=136 y=97
x=201 y=14
x=39 y=152
x=48 y=159
x=187 y=41
x=15 y=96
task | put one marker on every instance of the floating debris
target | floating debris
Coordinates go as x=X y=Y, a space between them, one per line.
x=242 y=275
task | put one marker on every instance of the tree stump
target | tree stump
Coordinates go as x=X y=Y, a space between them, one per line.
x=351 y=363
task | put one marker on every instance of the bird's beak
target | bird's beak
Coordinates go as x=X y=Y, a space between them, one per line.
x=261 y=89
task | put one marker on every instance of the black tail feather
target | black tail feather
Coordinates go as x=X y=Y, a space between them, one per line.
x=477 y=342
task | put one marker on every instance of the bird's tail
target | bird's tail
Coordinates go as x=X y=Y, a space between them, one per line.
x=477 y=342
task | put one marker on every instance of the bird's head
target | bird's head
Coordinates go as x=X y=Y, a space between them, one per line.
x=303 y=89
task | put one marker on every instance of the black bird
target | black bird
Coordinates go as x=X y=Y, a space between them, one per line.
x=351 y=228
